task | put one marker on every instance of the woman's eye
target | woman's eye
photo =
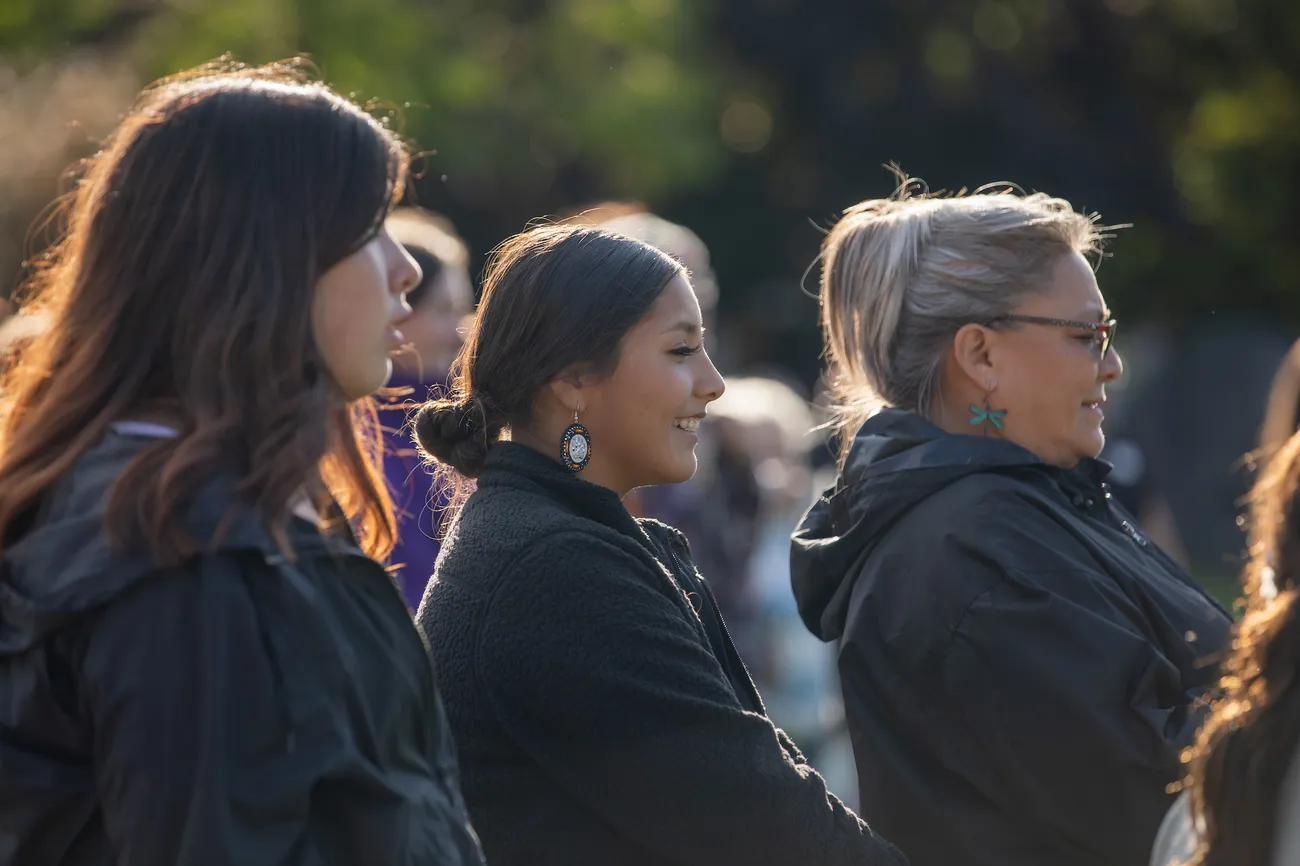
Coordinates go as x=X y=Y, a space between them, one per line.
x=687 y=351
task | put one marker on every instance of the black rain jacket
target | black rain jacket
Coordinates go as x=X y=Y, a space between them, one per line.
x=1020 y=666
x=236 y=710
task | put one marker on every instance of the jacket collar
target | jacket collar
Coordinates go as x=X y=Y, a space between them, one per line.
x=511 y=464
x=517 y=466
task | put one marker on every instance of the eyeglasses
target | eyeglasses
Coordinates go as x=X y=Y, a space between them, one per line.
x=1105 y=331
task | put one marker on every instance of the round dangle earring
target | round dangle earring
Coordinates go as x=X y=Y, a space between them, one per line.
x=575 y=449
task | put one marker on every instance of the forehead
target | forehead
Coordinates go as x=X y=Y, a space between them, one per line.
x=676 y=304
x=1073 y=292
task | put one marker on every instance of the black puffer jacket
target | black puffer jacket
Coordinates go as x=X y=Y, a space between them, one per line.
x=238 y=710
x=1020 y=666
x=602 y=714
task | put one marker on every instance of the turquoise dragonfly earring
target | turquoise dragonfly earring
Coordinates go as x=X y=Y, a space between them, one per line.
x=987 y=416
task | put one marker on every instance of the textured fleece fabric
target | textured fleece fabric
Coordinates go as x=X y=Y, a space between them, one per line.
x=597 y=721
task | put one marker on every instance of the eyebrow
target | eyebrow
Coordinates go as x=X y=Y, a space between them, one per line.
x=691 y=328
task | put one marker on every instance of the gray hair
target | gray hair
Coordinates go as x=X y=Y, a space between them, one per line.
x=902 y=275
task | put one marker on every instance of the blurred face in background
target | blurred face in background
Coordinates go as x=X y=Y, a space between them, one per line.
x=440 y=307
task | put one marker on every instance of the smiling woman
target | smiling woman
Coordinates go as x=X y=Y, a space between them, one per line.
x=1021 y=666
x=601 y=711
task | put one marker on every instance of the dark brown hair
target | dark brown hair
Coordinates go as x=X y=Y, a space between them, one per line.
x=1243 y=752
x=182 y=288
x=555 y=298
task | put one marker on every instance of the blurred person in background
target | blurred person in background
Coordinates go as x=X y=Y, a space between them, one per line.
x=1134 y=487
x=774 y=427
x=1242 y=803
x=440 y=307
x=201 y=659
x=15 y=332
x=1021 y=666
x=602 y=713
x=1282 y=412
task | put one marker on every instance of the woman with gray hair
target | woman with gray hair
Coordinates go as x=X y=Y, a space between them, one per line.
x=1021 y=666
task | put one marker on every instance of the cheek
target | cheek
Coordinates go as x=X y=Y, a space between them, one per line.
x=644 y=399
x=664 y=390
x=1074 y=382
x=420 y=330
x=351 y=303
x=446 y=329
x=1050 y=383
x=350 y=315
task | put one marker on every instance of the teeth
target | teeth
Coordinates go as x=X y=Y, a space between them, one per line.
x=690 y=425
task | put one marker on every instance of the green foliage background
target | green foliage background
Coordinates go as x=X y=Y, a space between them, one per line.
x=751 y=119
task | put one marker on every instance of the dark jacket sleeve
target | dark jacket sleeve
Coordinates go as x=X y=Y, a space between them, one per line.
x=193 y=760
x=619 y=700
x=1058 y=707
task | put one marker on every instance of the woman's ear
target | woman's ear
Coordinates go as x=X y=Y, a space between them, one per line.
x=567 y=389
x=972 y=353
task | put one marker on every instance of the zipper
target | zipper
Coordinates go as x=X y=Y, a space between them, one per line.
x=1085 y=503
x=1132 y=532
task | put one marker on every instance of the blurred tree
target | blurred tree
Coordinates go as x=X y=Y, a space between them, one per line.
x=1179 y=116
x=750 y=118
x=51 y=114
x=522 y=107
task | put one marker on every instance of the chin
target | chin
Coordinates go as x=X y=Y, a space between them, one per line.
x=1092 y=444
x=359 y=389
x=680 y=471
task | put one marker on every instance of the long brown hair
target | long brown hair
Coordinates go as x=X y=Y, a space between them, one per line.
x=1243 y=752
x=182 y=288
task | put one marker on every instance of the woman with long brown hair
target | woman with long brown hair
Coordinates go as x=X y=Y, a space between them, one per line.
x=1242 y=807
x=201 y=660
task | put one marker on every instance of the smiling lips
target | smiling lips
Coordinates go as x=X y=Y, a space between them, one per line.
x=690 y=425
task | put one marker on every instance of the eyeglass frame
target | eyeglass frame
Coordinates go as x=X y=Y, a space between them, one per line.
x=1106 y=329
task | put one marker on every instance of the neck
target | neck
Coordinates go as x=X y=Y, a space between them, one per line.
x=954 y=416
x=595 y=472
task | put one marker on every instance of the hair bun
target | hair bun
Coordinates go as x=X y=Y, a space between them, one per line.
x=457 y=433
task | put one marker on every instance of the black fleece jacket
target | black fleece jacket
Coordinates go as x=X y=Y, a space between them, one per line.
x=602 y=714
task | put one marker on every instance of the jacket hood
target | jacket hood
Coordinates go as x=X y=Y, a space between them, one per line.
x=63 y=565
x=897 y=459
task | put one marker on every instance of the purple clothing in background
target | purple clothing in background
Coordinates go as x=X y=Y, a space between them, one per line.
x=419 y=510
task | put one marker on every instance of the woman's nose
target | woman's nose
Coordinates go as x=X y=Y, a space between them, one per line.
x=1112 y=366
